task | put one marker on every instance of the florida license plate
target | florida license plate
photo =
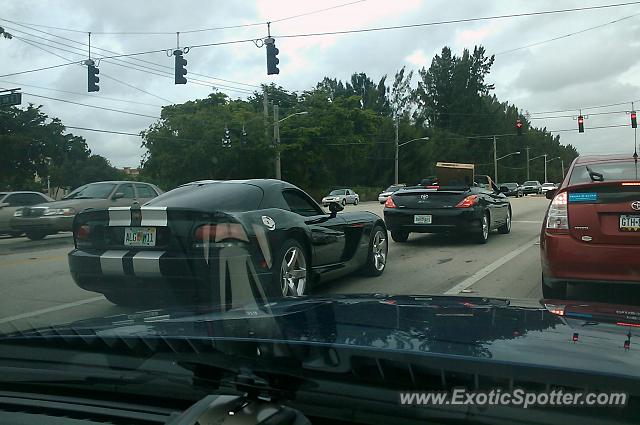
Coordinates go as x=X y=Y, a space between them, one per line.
x=140 y=236
x=630 y=223
x=421 y=219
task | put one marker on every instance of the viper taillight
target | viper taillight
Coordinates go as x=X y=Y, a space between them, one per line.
x=468 y=202
x=389 y=203
x=83 y=232
x=558 y=217
x=220 y=232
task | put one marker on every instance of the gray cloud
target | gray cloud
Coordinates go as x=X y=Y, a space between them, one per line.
x=593 y=68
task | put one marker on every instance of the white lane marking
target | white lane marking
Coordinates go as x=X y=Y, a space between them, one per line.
x=527 y=221
x=50 y=309
x=490 y=268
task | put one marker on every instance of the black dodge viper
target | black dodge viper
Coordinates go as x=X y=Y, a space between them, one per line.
x=222 y=243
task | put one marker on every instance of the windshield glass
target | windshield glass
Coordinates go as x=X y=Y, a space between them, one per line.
x=94 y=190
x=627 y=170
x=295 y=200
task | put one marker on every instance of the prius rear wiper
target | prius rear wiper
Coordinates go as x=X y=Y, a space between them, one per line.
x=594 y=175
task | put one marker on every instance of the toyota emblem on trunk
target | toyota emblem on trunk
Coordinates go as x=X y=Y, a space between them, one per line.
x=635 y=205
x=425 y=196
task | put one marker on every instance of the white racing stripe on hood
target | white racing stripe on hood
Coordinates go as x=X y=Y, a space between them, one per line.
x=119 y=216
x=154 y=216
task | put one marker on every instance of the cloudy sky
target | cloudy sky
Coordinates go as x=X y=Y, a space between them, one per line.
x=598 y=66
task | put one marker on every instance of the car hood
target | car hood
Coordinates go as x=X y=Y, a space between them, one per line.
x=385 y=193
x=77 y=204
x=598 y=338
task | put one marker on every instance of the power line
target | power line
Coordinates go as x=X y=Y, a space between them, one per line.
x=193 y=30
x=125 y=64
x=585 y=108
x=91 y=106
x=566 y=35
x=317 y=11
x=34 y=44
x=457 y=21
x=362 y=30
x=114 y=52
x=82 y=94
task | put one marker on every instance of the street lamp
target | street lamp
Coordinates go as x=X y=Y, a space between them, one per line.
x=276 y=136
x=398 y=145
x=545 y=166
x=495 y=164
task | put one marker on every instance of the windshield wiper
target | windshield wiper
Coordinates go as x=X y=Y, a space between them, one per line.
x=594 y=175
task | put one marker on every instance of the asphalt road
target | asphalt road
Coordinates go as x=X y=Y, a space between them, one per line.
x=37 y=290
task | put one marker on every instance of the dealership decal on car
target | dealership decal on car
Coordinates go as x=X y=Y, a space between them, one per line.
x=583 y=197
x=268 y=221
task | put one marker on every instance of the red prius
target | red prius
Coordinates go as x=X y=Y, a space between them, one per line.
x=591 y=231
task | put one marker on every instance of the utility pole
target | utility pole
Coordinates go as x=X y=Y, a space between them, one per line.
x=527 y=162
x=545 y=168
x=397 y=151
x=562 y=165
x=265 y=109
x=276 y=139
x=495 y=160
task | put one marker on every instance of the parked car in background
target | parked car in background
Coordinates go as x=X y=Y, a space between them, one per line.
x=341 y=196
x=531 y=186
x=514 y=189
x=38 y=221
x=591 y=230
x=382 y=198
x=548 y=186
x=11 y=201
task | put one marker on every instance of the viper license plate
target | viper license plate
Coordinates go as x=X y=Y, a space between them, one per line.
x=140 y=236
x=421 y=219
x=630 y=223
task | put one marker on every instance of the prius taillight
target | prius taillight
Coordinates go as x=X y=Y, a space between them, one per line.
x=558 y=217
x=220 y=232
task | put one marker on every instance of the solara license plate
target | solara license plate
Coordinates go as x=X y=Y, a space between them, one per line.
x=421 y=219
x=140 y=236
x=630 y=223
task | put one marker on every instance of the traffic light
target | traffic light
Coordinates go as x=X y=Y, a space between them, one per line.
x=634 y=122
x=92 y=78
x=180 y=67
x=580 y=124
x=272 y=56
x=226 y=140
x=519 y=127
x=243 y=138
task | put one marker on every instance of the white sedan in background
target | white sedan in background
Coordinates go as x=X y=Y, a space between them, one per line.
x=342 y=196
x=548 y=186
x=382 y=198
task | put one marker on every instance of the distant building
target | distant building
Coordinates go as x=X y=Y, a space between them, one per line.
x=134 y=172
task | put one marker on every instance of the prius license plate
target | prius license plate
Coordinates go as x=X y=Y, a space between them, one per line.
x=421 y=219
x=630 y=223
x=140 y=236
